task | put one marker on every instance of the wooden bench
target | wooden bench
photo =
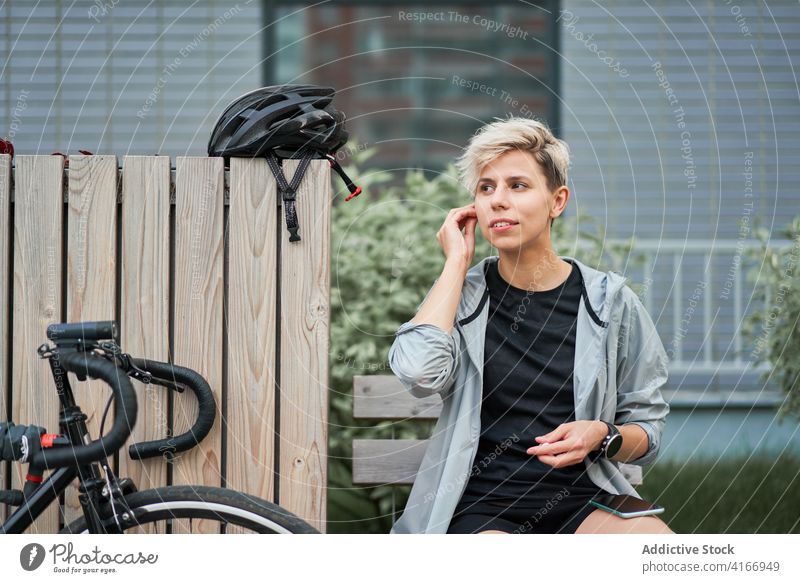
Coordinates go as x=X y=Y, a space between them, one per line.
x=396 y=461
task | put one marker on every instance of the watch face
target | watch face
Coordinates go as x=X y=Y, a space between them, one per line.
x=613 y=445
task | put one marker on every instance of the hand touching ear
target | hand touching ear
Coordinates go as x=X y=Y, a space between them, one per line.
x=458 y=245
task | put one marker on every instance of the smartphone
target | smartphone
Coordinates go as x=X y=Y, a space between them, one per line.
x=626 y=506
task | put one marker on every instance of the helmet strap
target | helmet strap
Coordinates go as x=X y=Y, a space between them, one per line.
x=288 y=189
x=354 y=190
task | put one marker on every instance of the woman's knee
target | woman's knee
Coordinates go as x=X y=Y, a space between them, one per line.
x=602 y=522
x=664 y=528
x=651 y=525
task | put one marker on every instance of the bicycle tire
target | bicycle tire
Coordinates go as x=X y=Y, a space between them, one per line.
x=203 y=503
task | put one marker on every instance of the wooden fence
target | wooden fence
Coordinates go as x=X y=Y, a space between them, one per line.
x=195 y=265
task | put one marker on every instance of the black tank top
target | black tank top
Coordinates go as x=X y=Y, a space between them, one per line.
x=527 y=391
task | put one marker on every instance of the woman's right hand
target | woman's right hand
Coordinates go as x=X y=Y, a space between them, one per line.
x=458 y=246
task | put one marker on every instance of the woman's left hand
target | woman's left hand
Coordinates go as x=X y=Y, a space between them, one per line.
x=569 y=443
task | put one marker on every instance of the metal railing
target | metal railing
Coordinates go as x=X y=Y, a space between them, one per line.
x=674 y=252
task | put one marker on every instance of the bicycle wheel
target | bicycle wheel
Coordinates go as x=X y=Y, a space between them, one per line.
x=189 y=509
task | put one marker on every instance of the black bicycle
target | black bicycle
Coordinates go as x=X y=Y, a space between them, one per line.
x=111 y=504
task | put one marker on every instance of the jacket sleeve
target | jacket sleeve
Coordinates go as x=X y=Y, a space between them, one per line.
x=641 y=374
x=425 y=357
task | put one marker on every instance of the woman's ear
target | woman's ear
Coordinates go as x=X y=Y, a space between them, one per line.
x=560 y=199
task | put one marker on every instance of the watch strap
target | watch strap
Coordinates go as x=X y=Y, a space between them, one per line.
x=598 y=453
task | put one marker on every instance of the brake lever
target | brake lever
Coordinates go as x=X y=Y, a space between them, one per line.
x=134 y=371
x=178 y=388
x=144 y=376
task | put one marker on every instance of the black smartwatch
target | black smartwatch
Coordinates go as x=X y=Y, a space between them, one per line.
x=611 y=443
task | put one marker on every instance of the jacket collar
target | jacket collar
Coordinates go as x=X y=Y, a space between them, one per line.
x=599 y=291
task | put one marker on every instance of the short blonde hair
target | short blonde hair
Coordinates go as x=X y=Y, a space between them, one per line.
x=514 y=133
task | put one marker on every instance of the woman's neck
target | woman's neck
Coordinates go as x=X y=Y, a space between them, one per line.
x=534 y=269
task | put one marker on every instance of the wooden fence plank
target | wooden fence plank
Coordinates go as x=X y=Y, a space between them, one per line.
x=38 y=205
x=144 y=302
x=91 y=274
x=199 y=192
x=250 y=322
x=197 y=313
x=305 y=341
x=5 y=214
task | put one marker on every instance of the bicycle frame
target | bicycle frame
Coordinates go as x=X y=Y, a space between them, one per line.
x=72 y=422
x=42 y=497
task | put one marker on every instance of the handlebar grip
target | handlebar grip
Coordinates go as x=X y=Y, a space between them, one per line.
x=207 y=409
x=125 y=408
x=86 y=331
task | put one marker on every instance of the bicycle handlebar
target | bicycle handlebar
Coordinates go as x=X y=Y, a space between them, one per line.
x=207 y=409
x=87 y=364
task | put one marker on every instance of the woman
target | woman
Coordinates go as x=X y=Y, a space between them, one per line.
x=539 y=359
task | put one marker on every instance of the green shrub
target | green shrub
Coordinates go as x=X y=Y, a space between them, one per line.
x=773 y=329
x=751 y=495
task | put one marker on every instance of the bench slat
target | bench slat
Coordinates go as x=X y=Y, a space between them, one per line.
x=387 y=461
x=396 y=461
x=384 y=397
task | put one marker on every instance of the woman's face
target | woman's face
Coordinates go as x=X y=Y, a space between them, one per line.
x=513 y=186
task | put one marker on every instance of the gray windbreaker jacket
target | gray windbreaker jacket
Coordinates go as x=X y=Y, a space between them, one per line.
x=620 y=368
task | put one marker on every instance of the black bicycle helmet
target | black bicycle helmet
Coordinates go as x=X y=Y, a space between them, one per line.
x=282 y=118
x=283 y=121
